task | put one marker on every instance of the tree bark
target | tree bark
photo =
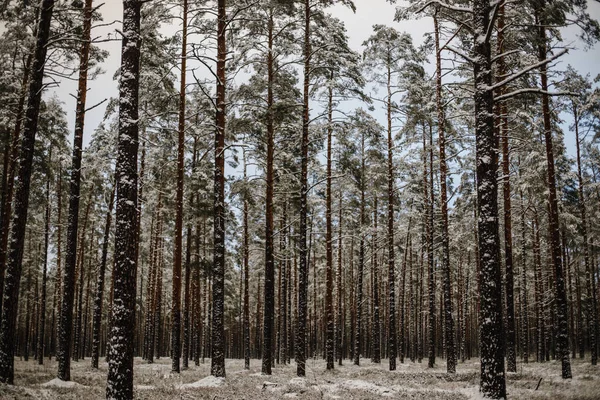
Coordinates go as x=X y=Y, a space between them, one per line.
x=217 y=367
x=300 y=346
x=13 y=267
x=493 y=381
x=592 y=309
x=560 y=293
x=98 y=298
x=68 y=289
x=448 y=318
x=269 y=292
x=42 y=318
x=329 y=324
x=120 y=362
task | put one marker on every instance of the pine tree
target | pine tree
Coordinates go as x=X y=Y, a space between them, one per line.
x=21 y=200
x=120 y=368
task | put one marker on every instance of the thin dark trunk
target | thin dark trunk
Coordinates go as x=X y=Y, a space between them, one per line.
x=448 y=318
x=300 y=346
x=269 y=292
x=42 y=312
x=376 y=323
x=217 y=367
x=560 y=293
x=98 y=298
x=592 y=310
x=68 y=282
x=392 y=345
x=329 y=322
x=340 y=292
x=178 y=245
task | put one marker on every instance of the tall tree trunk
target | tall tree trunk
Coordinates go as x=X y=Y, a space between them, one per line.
x=217 y=367
x=493 y=381
x=246 y=254
x=392 y=345
x=10 y=167
x=361 y=257
x=42 y=319
x=68 y=284
x=98 y=298
x=300 y=345
x=448 y=318
x=502 y=132
x=13 y=267
x=376 y=323
x=592 y=309
x=120 y=363
x=269 y=292
x=178 y=243
x=340 y=292
x=329 y=324
x=430 y=241
x=560 y=293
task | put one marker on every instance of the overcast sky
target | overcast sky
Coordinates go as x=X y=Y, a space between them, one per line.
x=359 y=27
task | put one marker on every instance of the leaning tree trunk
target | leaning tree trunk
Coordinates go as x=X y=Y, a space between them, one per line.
x=120 y=360
x=560 y=293
x=14 y=261
x=493 y=381
x=217 y=366
x=300 y=345
x=97 y=317
x=68 y=282
x=176 y=297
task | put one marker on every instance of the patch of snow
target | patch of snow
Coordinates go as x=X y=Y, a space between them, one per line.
x=357 y=384
x=298 y=381
x=208 y=382
x=59 y=383
x=144 y=387
x=472 y=393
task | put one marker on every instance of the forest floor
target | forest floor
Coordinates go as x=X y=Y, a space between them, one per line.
x=368 y=381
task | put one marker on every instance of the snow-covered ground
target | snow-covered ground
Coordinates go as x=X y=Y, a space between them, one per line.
x=369 y=381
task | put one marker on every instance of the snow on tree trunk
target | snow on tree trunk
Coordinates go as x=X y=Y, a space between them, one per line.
x=329 y=322
x=217 y=366
x=68 y=282
x=13 y=267
x=269 y=292
x=120 y=358
x=300 y=346
x=493 y=381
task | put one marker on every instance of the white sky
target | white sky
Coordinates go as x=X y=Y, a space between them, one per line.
x=358 y=25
